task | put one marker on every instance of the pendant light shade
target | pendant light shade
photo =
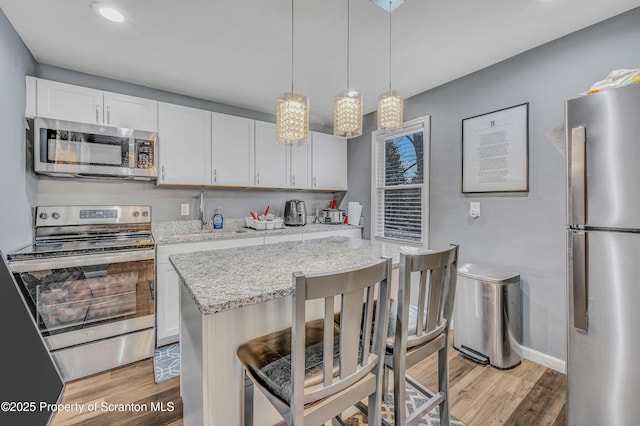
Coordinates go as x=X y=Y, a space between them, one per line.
x=292 y=119
x=390 y=104
x=347 y=114
x=390 y=111
x=347 y=105
x=292 y=110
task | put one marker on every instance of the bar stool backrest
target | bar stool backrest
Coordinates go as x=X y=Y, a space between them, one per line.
x=357 y=356
x=436 y=291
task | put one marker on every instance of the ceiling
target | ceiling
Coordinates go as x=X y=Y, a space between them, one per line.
x=239 y=52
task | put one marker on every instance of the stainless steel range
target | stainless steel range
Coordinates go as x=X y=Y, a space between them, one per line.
x=89 y=281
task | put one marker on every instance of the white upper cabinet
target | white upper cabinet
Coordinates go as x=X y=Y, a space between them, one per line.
x=329 y=168
x=130 y=112
x=272 y=159
x=184 y=145
x=232 y=150
x=62 y=101
x=75 y=103
x=301 y=166
x=198 y=147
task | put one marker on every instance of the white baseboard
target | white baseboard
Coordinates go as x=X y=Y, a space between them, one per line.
x=548 y=361
x=538 y=357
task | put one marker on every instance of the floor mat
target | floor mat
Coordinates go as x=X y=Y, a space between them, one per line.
x=414 y=399
x=166 y=362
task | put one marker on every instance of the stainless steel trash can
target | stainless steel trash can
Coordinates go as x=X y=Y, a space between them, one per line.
x=487 y=322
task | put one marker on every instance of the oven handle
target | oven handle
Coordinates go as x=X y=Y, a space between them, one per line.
x=84 y=260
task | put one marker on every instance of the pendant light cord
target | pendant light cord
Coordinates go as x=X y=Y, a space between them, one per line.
x=292 y=23
x=389 y=45
x=348 y=34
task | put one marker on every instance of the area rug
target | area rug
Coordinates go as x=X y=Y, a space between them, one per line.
x=414 y=399
x=166 y=362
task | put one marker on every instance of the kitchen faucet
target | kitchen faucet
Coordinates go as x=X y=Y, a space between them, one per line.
x=203 y=218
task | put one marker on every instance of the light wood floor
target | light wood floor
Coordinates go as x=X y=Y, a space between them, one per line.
x=528 y=394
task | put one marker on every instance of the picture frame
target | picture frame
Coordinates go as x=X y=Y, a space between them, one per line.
x=495 y=151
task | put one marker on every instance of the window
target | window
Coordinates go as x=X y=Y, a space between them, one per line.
x=400 y=183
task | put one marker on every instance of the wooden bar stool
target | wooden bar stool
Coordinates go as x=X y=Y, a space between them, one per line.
x=314 y=371
x=415 y=332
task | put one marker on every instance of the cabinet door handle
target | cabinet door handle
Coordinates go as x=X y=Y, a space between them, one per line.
x=215 y=175
x=577 y=198
x=98 y=114
x=293 y=180
x=258 y=178
x=108 y=115
x=580 y=281
x=314 y=182
x=163 y=173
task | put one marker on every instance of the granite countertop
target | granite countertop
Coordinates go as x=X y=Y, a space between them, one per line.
x=219 y=280
x=188 y=231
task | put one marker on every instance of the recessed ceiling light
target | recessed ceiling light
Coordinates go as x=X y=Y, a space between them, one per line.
x=107 y=12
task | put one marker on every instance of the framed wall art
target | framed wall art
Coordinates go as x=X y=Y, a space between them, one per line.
x=495 y=151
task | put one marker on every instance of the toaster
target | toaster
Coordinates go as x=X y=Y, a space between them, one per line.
x=295 y=213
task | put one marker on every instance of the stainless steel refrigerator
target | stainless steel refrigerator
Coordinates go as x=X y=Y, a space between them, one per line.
x=603 y=273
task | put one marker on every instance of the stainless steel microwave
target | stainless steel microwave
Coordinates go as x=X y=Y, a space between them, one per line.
x=69 y=149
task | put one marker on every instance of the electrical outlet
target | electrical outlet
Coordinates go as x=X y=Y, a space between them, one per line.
x=474 y=209
x=184 y=209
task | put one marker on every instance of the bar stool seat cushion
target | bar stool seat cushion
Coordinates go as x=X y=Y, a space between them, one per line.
x=413 y=325
x=268 y=359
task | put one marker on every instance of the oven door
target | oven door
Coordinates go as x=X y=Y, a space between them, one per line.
x=79 y=299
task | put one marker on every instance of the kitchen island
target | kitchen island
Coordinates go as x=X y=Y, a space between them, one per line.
x=230 y=296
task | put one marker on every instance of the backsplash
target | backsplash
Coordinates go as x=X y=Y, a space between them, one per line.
x=165 y=201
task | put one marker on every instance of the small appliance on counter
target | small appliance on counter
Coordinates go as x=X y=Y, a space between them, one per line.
x=332 y=216
x=295 y=213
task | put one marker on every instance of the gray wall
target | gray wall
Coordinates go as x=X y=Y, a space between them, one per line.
x=17 y=186
x=165 y=202
x=524 y=232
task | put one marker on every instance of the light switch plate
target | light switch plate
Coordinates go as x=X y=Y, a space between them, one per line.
x=184 y=209
x=474 y=209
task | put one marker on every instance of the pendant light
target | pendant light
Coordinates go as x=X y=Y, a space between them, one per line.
x=390 y=103
x=347 y=105
x=292 y=110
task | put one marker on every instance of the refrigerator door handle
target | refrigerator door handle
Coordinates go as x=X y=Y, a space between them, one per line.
x=578 y=176
x=580 y=281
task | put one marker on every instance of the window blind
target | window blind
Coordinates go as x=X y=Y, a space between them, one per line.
x=400 y=185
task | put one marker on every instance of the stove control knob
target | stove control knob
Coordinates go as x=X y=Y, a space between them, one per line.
x=55 y=215
x=136 y=214
x=44 y=216
x=145 y=213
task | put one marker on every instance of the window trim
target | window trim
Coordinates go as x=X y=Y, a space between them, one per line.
x=421 y=123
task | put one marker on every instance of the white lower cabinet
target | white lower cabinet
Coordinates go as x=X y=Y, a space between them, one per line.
x=167 y=305
x=168 y=283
